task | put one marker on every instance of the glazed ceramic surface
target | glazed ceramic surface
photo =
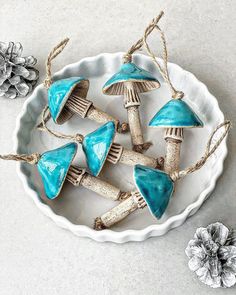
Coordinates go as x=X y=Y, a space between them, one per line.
x=96 y=146
x=155 y=186
x=75 y=209
x=176 y=113
x=53 y=167
x=59 y=92
x=130 y=72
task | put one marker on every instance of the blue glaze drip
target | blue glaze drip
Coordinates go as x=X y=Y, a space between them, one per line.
x=130 y=72
x=96 y=146
x=155 y=186
x=176 y=113
x=53 y=167
x=59 y=92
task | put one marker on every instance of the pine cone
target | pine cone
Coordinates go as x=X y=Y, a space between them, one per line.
x=212 y=255
x=17 y=74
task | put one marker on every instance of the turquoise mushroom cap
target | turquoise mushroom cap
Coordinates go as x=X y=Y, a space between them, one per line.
x=60 y=91
x=96 y=146
x=155 y=186
x=129 y=72
x=53 y=167
x=176 y=113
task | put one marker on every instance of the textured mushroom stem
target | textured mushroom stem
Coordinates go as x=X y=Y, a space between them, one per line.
x=132 y=103
x=118 y=153
x=85 y=108
x=173 y=137
x=78 y=176
x=119 y=212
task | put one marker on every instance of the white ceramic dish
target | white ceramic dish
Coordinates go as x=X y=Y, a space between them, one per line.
x=76 y=208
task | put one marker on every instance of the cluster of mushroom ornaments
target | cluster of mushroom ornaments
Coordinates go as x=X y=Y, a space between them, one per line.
x=153 y=181
x=153 y=178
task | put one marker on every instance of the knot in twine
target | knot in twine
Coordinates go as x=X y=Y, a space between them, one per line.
x=127 y=58
x=30 y=159
x=178 y=95
x=54 y=53
x=77 y=137
x=47 y=83
x=210 y=149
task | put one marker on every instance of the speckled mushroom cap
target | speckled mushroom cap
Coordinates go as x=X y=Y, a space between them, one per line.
x=155 y=186
x=60 y=91
x=144 y=81
x=176 y=113
x=53 y=167
x=96 y=146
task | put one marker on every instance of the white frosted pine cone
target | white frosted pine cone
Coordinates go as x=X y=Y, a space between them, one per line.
x=212 y=255
x=17 y=74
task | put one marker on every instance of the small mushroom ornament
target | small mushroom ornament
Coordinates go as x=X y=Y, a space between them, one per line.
x=155 y=187
x=173 y=116
x=55 y=166
x=67 y=97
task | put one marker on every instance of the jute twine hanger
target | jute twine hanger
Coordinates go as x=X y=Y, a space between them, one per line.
x=139 y=44
x=53 y=54
x=176 y=94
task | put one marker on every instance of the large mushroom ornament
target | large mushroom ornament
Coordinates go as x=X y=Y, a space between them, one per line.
x=129 y=82
x=67 y=97
x=154 y=189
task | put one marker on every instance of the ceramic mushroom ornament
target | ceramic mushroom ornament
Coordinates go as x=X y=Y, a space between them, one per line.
x=99 y=147
x=173 y=116
x=155 y=187
x=55 y=166
x=67 y=97
x=129 y=81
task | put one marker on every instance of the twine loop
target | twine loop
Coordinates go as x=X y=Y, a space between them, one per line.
x=77 y=137
x=176 y=94
x=53 y=54
x=210 y=149
x=138 y=45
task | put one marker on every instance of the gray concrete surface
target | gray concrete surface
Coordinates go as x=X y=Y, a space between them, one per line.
x=37 y=257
